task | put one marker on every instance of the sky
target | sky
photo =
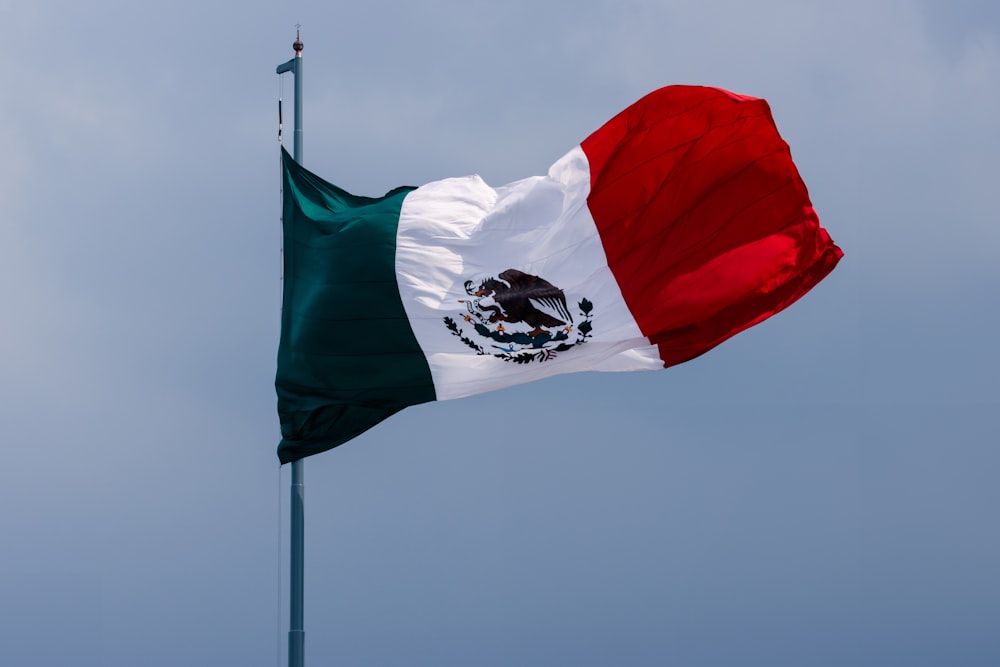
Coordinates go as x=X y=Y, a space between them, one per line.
x=819 y=490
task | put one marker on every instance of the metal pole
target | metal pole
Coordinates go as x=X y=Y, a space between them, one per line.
x=295 y=67
x=297 y=129
x=296 y=629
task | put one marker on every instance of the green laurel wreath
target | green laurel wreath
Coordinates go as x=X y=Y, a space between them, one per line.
x=583 y=329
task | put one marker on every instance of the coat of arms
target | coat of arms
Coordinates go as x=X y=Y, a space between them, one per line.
x=523 y=318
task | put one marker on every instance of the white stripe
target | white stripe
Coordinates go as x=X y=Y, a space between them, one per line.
x=461 y=229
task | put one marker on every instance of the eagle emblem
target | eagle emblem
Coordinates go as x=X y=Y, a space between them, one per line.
x=523 y=318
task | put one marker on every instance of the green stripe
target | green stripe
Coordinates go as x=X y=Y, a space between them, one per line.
x=347 y=358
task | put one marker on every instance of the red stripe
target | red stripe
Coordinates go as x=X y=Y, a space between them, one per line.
x=706 y=224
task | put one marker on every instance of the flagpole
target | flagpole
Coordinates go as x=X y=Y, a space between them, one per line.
x=296 y=630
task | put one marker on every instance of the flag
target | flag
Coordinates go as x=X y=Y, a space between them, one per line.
x=679 y=223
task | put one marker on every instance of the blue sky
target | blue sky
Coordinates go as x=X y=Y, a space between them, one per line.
x=819 y=490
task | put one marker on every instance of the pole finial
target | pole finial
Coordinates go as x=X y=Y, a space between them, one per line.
x=297 y=44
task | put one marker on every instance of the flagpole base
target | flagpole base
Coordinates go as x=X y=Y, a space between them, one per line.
x=296 y=648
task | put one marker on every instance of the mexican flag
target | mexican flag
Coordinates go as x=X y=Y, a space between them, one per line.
x=679 y=223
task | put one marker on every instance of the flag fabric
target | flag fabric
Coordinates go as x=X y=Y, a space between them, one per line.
x=679 y=223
